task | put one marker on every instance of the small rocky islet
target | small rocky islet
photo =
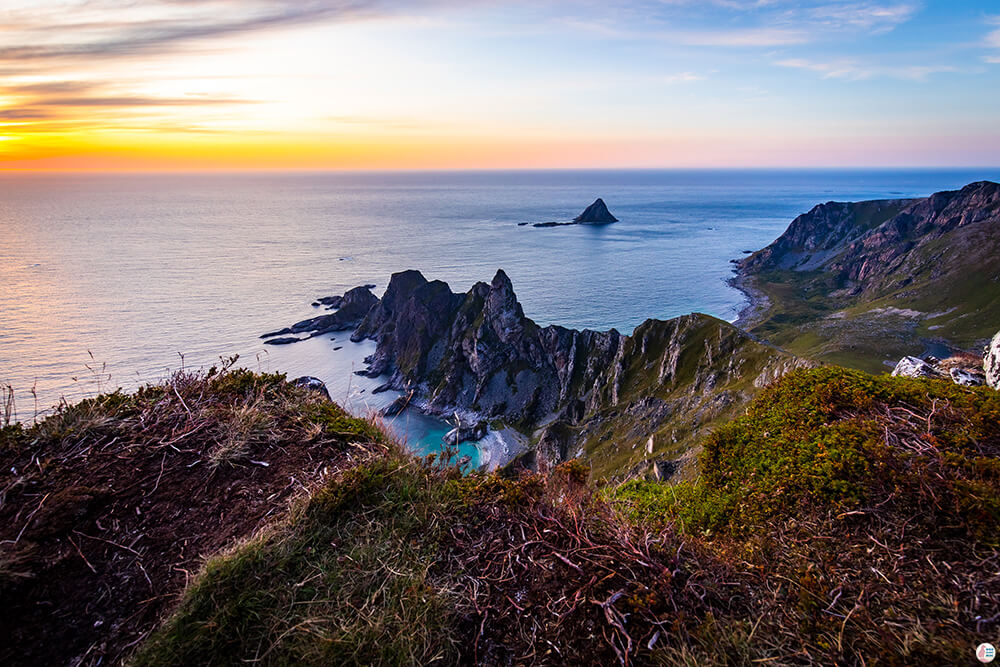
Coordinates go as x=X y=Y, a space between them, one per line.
x=595 y=214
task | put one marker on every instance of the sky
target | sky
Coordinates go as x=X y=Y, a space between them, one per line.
x=486 y=84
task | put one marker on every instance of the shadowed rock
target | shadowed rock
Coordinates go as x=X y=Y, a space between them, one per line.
x=351 y=309
x=595 y=214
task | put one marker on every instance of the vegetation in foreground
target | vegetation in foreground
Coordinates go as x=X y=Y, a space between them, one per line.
x=867 y=509
x=108 y=506
x=845 y=519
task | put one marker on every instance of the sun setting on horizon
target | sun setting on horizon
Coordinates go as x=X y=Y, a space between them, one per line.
x=333 y=84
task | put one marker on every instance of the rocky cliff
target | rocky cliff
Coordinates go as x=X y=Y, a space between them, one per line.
x=857 y=283
x=477 y=351
x=624 y=402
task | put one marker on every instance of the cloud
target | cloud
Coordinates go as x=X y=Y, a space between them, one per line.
x=854 y=71
x=25 y=114
x=993 y=37
x=992 y=41
x=156 y=27
x=140 y=101
x=741 y=38
x=682 y=77
x=869 y=17
x=742 y=24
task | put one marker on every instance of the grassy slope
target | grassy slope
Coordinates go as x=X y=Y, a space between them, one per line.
x=868 y=505
x=845 y=518
x=107 y=506
x=398 y=562
x=716 y=368
x=956 y=296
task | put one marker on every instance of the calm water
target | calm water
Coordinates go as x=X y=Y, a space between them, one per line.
x=139 y=269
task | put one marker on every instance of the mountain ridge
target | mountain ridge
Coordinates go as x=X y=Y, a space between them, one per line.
x=862 y=283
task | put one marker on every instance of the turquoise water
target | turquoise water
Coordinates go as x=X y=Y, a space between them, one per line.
x=138 y=270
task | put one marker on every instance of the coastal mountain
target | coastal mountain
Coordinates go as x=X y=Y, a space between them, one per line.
x=861 y=283
x=630 y=404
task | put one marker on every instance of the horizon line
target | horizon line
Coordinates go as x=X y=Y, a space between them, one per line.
x=431 y=170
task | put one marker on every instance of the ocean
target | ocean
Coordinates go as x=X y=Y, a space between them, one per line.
x=113 y=280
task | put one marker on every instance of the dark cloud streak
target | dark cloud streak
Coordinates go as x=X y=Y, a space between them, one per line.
x=157 y=36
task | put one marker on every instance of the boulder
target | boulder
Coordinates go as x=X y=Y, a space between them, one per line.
x=464 y=432
x=991 y=362
x=966 y=378
x=912 y=367
x=315 y=384
x=397 y=406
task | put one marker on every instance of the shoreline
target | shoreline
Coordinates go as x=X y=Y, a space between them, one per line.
x=495 y=449
x=758 y=303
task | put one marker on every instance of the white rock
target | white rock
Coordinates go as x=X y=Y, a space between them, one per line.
x=991 y=362
x=912 y=367
x=965 y=378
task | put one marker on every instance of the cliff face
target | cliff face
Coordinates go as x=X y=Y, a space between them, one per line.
x=624 y=402
x=478 y=351
x=879 y=245
x=858 y=283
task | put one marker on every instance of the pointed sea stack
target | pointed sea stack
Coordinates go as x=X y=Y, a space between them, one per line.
x=595 y=214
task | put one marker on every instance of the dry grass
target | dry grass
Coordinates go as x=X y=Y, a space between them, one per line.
x=108 y=506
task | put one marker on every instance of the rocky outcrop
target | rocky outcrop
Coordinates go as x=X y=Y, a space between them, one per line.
x=961 y=369
x=991 y=362
x=351 y=308
x=595 y=214
x=313 y=384
x=478 y=351
x=880 y=244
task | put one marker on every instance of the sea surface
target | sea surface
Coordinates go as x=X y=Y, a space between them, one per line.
x=111 y=280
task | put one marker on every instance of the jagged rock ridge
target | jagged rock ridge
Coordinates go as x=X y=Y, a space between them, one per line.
x=605 y=391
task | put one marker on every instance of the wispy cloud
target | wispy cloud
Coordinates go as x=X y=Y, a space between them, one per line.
x=741 y=38
x=123 y=28
x=869 y=17
x=51 y=52
x=743 y=24
x=682 y=77
x=992 y=40
x=993 y=37
x=855 y=71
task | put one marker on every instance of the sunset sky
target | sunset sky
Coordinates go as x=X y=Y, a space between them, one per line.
x=342 y=84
